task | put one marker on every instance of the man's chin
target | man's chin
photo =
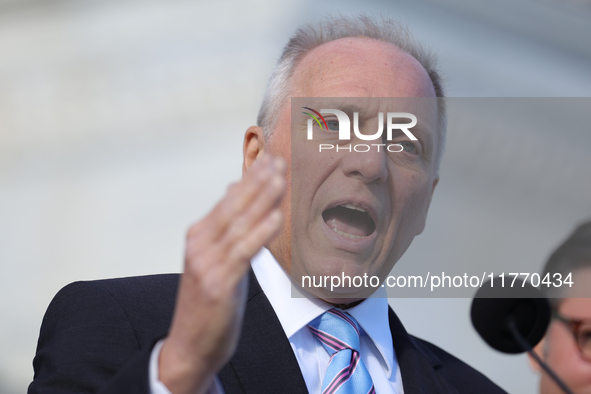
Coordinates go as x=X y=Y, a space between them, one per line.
x=343 y=303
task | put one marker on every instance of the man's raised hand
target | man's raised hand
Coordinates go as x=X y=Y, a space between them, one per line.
x=212 y=290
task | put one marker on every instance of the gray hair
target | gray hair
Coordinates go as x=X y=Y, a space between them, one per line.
x=311 y=36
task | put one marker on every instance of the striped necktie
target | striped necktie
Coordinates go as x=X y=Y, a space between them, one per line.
x=339 y=334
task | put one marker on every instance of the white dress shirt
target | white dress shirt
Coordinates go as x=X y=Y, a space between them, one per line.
x=294 y=314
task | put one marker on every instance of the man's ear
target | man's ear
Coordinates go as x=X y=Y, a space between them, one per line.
x=539 y=349
x=254 y=146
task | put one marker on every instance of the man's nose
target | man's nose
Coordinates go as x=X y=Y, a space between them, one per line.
x=368 y=165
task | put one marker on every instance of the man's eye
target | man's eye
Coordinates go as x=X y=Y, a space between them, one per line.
x=333 y=125
x=408 y=146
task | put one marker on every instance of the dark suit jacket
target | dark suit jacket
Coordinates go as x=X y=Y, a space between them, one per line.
x=96 y=337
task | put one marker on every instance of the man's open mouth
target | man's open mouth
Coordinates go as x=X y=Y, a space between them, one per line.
x=349 y=220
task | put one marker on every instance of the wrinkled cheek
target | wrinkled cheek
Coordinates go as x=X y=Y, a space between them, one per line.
x=416 y=202
x=409 y=208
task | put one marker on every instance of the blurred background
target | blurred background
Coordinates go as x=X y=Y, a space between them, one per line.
x=121 y=123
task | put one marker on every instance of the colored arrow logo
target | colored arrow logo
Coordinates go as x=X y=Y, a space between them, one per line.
x=316 y=118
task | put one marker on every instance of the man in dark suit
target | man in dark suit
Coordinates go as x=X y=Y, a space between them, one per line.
x=229 y=323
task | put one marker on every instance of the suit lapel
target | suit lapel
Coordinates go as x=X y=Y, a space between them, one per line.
x=418 y=365
x=264 y=361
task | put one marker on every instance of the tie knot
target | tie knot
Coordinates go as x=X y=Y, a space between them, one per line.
x=336 y=330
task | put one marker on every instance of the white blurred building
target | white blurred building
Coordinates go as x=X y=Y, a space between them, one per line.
x=121 y=123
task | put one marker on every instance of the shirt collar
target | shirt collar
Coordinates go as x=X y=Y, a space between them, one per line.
x=372 y=316
x=294 y=310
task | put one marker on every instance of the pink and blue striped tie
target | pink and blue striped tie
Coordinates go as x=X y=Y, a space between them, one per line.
x=339 y=334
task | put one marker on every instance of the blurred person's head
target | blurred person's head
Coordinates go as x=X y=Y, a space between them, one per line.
x=566 y=347
x=351 y=57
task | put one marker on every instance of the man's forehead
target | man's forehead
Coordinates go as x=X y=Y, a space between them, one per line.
x=360 y=67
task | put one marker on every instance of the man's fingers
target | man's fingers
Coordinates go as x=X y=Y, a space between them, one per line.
x=241 y=195
x=260 y=206
x=222 y=266
x=246 y=247
x=210 y=241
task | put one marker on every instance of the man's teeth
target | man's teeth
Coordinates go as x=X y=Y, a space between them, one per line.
x=346 y=234
x=355 y=207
